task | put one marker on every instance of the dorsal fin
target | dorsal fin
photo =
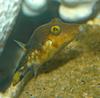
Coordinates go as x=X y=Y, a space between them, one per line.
x=21 y=44
x=55 y=21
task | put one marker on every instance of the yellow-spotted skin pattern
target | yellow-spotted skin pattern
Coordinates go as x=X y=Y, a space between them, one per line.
x=46 y=40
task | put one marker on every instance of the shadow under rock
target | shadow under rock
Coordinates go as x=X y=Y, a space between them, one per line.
x=59 y=60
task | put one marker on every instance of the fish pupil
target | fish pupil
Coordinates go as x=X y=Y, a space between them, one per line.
x=55 y=29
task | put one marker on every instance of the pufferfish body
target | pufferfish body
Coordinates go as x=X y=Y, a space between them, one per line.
x=45 y=42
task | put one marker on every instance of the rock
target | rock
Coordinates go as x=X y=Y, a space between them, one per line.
x=76 y=10
x=8 y=12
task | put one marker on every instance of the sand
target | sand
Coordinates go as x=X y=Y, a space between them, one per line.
x=78 y=78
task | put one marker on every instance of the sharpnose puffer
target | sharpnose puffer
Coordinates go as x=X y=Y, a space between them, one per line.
x=45 y=42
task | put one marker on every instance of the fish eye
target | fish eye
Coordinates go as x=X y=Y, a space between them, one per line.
x=55 y=30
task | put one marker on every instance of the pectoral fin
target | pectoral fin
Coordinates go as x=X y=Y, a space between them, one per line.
x=35 y=69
